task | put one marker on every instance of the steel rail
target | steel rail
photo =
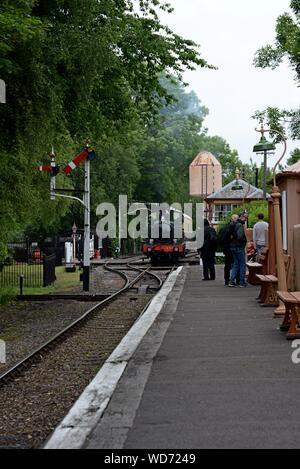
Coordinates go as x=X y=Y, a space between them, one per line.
x=148 y=272
x=39 y=352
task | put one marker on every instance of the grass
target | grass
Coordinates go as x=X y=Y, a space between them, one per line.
x=64 y=282
x=7 y=295
x=9 y=337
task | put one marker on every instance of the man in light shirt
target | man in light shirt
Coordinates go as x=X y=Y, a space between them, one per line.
x=260 y=233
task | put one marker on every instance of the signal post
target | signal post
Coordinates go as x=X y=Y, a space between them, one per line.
x=87 y=226
x=87 y=155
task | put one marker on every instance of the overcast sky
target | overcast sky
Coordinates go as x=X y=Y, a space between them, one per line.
x=230 y=32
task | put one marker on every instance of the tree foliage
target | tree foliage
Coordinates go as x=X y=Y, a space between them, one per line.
x=287 y=42
x=294 y=158
x=252 y=209
x=286 y=46
x=78 y=69
x=105 y=70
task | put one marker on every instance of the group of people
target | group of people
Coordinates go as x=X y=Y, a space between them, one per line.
x=233 y=240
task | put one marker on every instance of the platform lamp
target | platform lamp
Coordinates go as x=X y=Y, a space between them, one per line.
x=262 y=148
x=276 y=196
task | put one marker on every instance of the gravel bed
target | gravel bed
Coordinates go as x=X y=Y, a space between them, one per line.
x=25 y=326
x=34 y=403
x=101 y=282
x=32 y=406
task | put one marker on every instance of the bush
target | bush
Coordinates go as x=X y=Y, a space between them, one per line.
x=253 y=209
x=114 y=249
x=7 y=295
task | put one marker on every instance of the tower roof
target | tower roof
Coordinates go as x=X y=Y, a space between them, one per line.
x=205 y=158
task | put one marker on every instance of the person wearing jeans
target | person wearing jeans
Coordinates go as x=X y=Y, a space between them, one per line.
x=239 y=267
x=237 y=246
x=260 y=233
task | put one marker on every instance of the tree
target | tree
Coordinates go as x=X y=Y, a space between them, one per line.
x=287 y=42
x=253 y=209
x=286 y=45
x=294 y=158
x=228 y=158
x=170 y=144
x=78 y=69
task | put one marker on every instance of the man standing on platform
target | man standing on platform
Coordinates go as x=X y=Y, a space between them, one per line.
x=208 y=252
x=260 y=233
x=225 y=240
x=237 y=246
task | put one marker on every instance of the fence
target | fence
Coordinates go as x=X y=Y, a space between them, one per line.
x=33 y=275
x=21 y=251
x=36 y=274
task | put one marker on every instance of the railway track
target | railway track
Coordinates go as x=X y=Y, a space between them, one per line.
x=130 y=282
x=38 y=392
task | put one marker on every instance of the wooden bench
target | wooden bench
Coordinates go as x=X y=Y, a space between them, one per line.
x=291 y=322
x=268 y=293
x=258 y=267
x=269 y=286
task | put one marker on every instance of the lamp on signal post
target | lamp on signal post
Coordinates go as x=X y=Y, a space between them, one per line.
x=263 y=147
x=276 y=196
x=74 y=230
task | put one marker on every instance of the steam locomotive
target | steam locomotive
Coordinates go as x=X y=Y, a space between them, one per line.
x=165 y=248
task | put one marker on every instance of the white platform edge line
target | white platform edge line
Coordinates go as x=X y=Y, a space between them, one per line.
x=73 y=431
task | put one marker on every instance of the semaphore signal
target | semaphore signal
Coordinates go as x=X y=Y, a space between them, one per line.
x=86 y=154
x=52 y=168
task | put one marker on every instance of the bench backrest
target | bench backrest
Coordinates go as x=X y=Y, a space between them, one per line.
x=263 y=259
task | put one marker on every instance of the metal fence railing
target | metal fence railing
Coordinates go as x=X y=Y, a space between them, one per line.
x=32 y=273
x=35 y=274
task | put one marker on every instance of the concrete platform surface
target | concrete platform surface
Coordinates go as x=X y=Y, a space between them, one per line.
x=214 y=371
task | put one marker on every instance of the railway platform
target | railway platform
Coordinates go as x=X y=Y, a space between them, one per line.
x=213 y=371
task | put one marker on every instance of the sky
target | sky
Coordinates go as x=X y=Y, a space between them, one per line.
x=229 y=33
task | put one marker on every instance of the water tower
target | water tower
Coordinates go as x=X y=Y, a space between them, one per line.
x=205 y=175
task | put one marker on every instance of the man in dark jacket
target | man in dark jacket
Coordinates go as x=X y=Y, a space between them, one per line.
x=208 y=252
x=225 y=240
x=237 y=246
